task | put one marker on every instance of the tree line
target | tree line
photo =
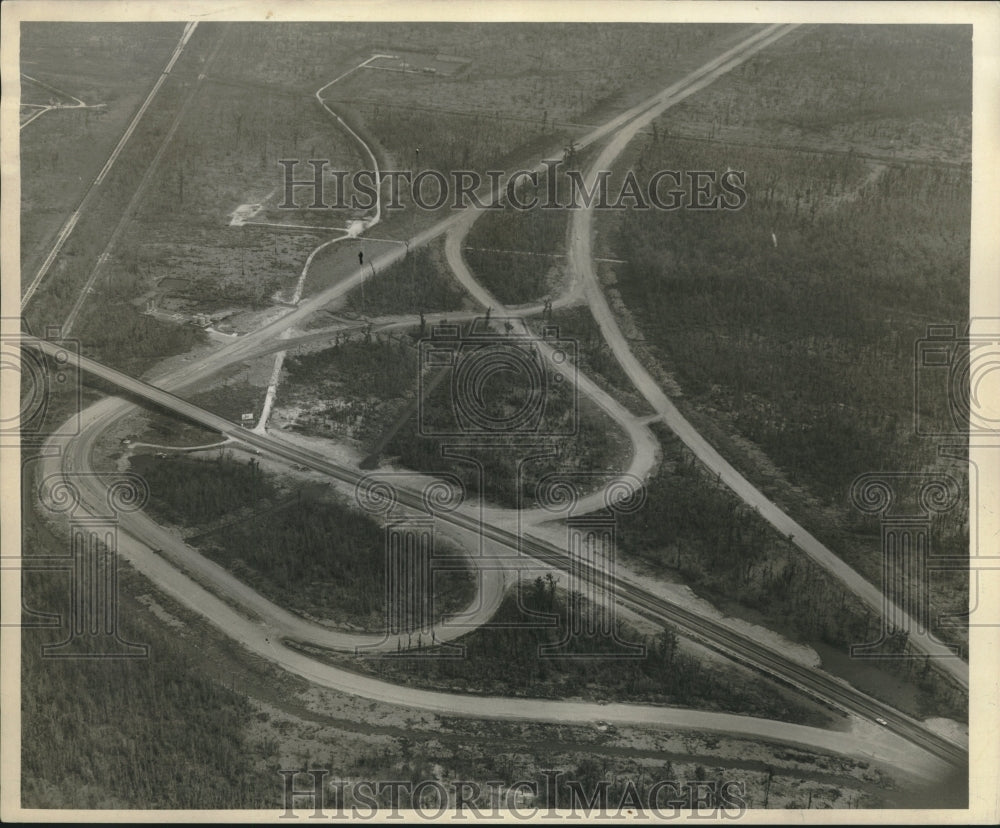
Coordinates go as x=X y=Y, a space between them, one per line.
x=505 y=660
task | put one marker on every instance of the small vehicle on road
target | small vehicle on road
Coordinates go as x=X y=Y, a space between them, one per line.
x=881 y=721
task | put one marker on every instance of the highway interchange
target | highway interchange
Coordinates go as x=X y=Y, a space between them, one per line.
x=260 y=625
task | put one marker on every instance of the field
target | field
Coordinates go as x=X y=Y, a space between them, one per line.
x=518 y=69
x=513 y=253
x=181 y=254
x=210 y=144
x=113 y=202
x=418 y=284
x=107 y=64
x=902 y=91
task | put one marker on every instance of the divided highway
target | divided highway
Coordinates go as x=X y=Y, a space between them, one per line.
x=67 y=228
x=631 y=594
x=713 y=634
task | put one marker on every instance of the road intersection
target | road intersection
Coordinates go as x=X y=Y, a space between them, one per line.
x=256 y=615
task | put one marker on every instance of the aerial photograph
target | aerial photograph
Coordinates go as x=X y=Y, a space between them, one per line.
x=492 y=418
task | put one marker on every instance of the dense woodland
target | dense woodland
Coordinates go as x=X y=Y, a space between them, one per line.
x=793 y=322
x=307 y=550
x=696 y=527
x=506 y=661
x=797 y=316
x=123 y=338
x=195 y=492
x=156 y=732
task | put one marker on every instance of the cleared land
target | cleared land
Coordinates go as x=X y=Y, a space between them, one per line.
x=182 y=253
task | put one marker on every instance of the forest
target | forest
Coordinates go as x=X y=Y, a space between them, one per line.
x=307 y=549
x=156 y=732
x=505 y=660
x=791 y=325
x=195 y=492
x=119 y=336
x=696 y=527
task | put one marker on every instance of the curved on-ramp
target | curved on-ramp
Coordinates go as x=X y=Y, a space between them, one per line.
x=262 y=638
x=257 y=638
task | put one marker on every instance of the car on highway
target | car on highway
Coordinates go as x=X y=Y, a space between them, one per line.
x=881 y=721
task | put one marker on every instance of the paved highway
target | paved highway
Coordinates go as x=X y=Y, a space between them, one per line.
x=581 y=262
x=632 y=594
x=711 y=633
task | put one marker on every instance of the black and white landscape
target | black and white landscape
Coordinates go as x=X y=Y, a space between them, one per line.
x=508 y=419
